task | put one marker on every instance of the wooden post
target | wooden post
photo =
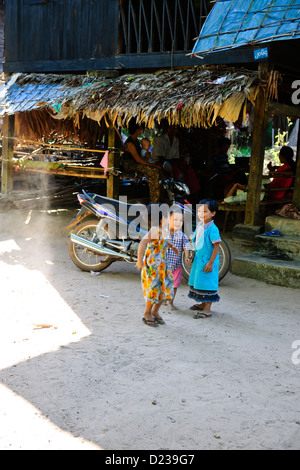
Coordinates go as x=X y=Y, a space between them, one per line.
x=296 y=193
x=7 y=154
x=257 y=159
x=113 y=180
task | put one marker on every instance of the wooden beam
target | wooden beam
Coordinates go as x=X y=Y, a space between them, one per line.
x=257 y=158
x=7 y=154
x=123 y=61
x=296 y=193
x=279 y=109
x=78 y=172
x=113 y=181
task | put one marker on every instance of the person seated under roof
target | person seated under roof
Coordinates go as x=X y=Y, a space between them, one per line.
x=283 y=175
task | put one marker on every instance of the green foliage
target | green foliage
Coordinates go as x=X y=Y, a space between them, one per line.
x=272 y=154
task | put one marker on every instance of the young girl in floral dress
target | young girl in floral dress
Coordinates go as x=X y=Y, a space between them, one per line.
x=157 y=279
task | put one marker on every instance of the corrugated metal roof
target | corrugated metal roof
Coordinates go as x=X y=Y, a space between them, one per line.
x=235 y=23
x=25 y=92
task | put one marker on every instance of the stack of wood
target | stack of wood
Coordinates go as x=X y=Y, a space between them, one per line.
x=61 y=197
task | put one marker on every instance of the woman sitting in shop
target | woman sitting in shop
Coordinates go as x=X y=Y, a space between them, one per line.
x=132 y=161
x=283 y=175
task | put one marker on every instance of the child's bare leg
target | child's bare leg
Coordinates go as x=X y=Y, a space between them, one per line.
x=207 y=308
x=147 y=314
x=170 y=302
x=175 y=290
x=155 y=313
x=155 y=309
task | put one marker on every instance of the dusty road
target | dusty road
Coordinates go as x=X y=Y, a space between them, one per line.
x=98 y=378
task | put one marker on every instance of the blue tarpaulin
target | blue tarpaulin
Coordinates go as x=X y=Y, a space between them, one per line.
x=235 y=23
x=26 y=92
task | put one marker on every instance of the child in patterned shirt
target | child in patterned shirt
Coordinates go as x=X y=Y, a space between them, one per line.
x=157 y=279
x=179 y=240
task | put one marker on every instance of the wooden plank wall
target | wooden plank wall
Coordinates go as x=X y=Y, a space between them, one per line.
x=78 y=35
x=60 y=30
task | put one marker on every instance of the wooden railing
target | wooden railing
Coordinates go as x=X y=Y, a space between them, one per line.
x=148 y=26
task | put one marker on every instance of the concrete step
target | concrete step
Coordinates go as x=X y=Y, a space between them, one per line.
x=289 y=227
x=288 y=244
x=281 y=273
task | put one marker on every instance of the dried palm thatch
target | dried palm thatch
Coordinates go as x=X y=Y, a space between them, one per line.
x=39 y=125
x=192 y=97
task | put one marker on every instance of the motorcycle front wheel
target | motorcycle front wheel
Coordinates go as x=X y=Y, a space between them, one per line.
x=83 y=258
x=225 y=262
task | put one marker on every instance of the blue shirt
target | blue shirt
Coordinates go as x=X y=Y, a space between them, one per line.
x=204 y=238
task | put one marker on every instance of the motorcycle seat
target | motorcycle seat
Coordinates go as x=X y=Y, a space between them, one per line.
x=131 y=211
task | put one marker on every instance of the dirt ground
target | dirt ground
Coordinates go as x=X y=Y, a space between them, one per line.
x=98 y=378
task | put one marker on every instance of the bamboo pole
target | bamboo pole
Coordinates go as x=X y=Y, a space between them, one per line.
x=65 y=147
x=257 y=156
x=79 y=172
x=7 y=154
x=113 y=180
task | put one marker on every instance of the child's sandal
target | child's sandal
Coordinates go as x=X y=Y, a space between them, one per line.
x=150 y=322
x=202 y=315
x=197 y=307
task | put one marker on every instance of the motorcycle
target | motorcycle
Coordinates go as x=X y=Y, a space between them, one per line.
x=107 y=230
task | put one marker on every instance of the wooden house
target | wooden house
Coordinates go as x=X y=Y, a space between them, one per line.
x=106 y=38
x=45 y=40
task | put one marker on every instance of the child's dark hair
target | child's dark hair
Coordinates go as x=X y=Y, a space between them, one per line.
x=176 y=210
x=288 y=154
x=211 y=204
x=156 y=211
x=133 y=126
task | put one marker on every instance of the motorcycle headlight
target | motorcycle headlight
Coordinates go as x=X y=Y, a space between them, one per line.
x=182 y=187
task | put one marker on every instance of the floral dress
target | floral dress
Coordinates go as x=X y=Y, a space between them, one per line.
x=157 y=278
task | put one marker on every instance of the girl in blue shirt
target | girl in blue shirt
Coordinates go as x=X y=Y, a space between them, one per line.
x=204 y=277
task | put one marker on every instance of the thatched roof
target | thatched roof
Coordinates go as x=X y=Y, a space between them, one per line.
x=191 y=97
x=26 y=92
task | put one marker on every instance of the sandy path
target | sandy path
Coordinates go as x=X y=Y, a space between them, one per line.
x=100 y=378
